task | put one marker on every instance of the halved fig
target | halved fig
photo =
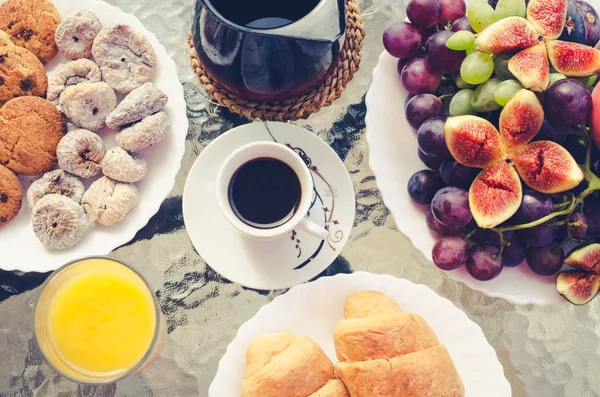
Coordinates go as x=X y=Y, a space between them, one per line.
x=548 y=16
x=495 y=195
x=547 y=167
x=595 y=115
x=578 y=287
x=585 y=258
x=473 y=141
x=531 y=67
x=506 y=35
x=573 y=59
x=521 y=119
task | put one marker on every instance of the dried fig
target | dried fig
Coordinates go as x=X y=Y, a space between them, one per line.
x=585 y=258
x=547 y=167
x=577 y=287
x=531 y=67
x=572 y=59
x=473 y=141
x=59 y=222
x=548 y=16
x=495 y=195
x=108 y=201
x=521 y=119
x=507 y=35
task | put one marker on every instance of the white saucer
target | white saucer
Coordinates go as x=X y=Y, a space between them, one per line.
x=291 y=259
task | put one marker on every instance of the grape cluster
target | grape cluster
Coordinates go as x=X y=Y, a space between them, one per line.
x=445 y=76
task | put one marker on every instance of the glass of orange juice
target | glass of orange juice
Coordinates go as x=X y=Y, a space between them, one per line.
x=97 y=320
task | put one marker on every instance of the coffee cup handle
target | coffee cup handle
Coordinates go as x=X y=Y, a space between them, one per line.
x=312 y=228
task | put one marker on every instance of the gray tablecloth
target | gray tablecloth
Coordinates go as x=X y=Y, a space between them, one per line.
x=545 y=351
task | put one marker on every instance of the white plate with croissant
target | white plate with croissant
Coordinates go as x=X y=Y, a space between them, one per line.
x=360 y=335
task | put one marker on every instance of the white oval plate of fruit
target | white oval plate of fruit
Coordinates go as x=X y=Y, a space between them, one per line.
x=505 y=122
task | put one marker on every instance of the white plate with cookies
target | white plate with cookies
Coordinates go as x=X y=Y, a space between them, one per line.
x=156 y=158
x=428 y=334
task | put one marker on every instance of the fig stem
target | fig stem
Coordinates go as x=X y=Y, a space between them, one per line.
x=567 y=211
x=442 y=97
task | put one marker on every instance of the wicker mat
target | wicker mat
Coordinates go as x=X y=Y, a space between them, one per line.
x=328 y=90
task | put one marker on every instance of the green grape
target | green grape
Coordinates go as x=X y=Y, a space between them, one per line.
x=477 y=68
x=510 y=8
x=501 y=67
x=461 y=40
x=483 y=97
x=471 y=49
x=588 y=81
x=460 y=83
x=481 y=15
x=461 y=103
x=554 y=77
x=506 y=90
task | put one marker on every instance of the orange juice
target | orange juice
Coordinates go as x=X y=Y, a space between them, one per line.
x=96 y=320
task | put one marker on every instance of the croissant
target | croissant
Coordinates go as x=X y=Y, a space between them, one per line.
x=287 y=365
x=385 y=352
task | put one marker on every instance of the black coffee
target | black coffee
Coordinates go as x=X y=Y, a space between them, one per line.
x=265 y=193
x=263 y=14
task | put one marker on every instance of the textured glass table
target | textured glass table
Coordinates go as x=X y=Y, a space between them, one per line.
x=545 y=351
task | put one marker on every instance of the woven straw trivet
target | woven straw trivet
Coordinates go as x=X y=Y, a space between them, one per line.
x=327 y=91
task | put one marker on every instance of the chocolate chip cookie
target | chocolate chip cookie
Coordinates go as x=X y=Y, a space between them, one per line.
x=31 y=24
x=30 y=129
x=11 y=195
x=21 y=73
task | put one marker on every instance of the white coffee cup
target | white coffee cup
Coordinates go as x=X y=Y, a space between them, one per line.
x=282 y=153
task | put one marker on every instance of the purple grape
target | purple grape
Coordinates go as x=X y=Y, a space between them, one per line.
x=450 y=253
x=462 y=24
x=552 y=132
x=455 y=174
x=401 y=39
x=483 y=262
x=430 y=161
x=438 y=228
x=578 y=225
x=514 y=252
x=568 y=102
x=577 y=147
x=408 y=97
x=450 y=205
x=591 y=210
x=424 y=13
x=423 y=185
x=535 y=205
x=441 y=57
x=425 y=35
x=431 y=138
x=541 y=235
x=494 y=238
x=419 y=78
x=423 y=107
x=480 y=235
x=403 y=61
x=452 y=10
x=547 y=260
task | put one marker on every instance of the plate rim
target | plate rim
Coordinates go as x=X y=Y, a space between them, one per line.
x=361 y=275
